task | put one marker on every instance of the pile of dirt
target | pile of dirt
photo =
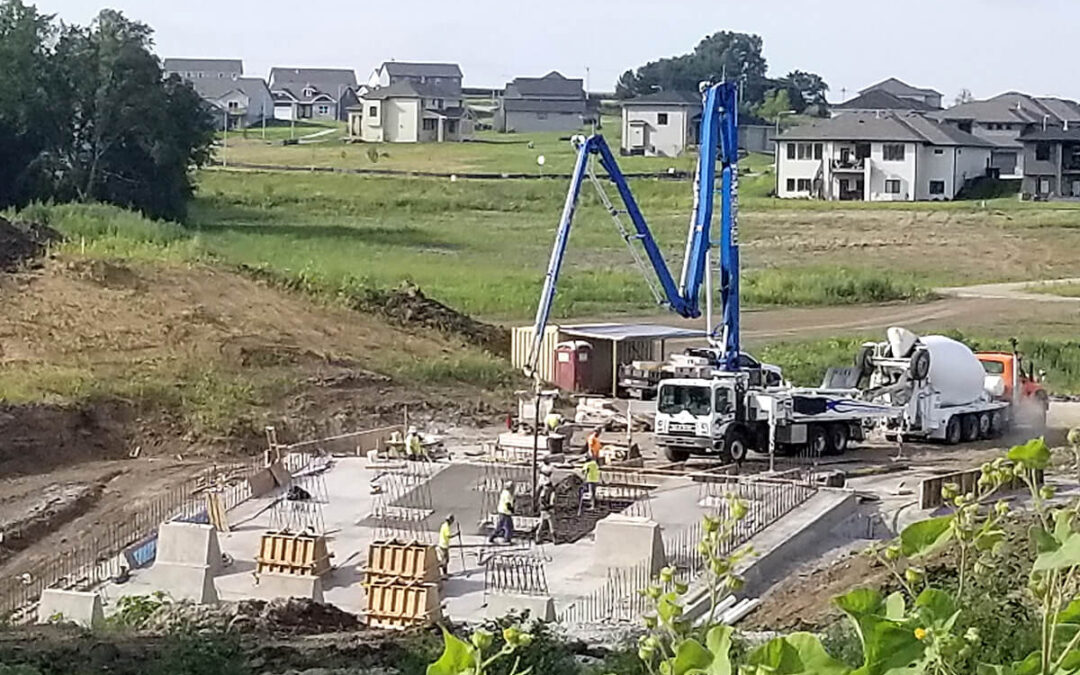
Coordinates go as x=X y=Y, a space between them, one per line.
x=408 y=306
x=21 y=243
x=283 y=615
x=25 y=518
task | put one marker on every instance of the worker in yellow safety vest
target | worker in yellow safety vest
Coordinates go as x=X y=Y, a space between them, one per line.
x=504 y=525
x=593 y=444
x=414 y=447
x=553 y=421
x=591 y=472
x=446 y=533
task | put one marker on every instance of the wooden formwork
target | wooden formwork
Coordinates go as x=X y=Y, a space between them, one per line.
x=930 y=496
x=393 y=603
x=298 y=554
x=410 y=561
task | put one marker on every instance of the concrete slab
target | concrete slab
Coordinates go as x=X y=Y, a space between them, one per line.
x=541 y=607
x=628 y=541
x=269 y=586
x=194 y=583
x=189 y=544
x=80 y=608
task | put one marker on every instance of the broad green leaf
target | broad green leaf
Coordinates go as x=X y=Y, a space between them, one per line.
x=1029 y=666
x=1066 y=556
x=1042 y=540
x=1032 y=455
x=889 y=647
x=796 y=654
x=457 y=657
x=987 y=669
x=895 y=606
x=938 y=604
x=989 y=539
x=859 y=601
x=1063 y=525
x=668 y=607
x=718 y=640
x=1071 y=613
x=690 y=656
x=926 y=536
x=1071 y=662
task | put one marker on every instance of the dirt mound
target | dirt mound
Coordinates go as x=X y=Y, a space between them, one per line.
x=284 y=615
x=23 y=242
x=39 y=438
x=25 y=518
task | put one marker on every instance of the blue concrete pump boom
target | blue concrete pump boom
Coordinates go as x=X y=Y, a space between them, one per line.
x=718 y=140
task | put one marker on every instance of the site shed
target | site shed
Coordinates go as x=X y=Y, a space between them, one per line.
x=612 y=344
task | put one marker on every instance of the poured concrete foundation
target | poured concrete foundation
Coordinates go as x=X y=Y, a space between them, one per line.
x=189 y=544
x=82 y=609
x=269 y=586
x=193 y=583
x=541 y=607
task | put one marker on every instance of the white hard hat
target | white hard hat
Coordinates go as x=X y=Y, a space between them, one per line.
x=546 y=470
x=412 y=430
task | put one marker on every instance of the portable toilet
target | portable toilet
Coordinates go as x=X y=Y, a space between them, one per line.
x=572 y=365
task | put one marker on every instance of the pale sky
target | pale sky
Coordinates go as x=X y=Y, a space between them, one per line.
x=987 y=46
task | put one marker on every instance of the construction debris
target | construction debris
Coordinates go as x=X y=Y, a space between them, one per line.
x=23 y=242
x=293 y=615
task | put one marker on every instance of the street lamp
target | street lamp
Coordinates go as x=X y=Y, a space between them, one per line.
x=776 y=150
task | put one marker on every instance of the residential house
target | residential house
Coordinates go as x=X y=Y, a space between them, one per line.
x=199 y=69
x=411 y=103
x=931 y=98
x=235 y=100
x=1002 y=120
x=549 y=103
x=312 y=93
x=878 y=157
x=1051 y=160
x=879 y=100
x=661 y=124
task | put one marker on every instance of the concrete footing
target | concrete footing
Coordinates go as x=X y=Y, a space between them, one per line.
x=194 y=583
x=269 y=586
x=628 y=541
x=189 y=544
x=83 y=609
x=540 y=607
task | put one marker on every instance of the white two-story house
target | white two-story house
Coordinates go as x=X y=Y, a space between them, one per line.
x=411 y=103
x=878 y=157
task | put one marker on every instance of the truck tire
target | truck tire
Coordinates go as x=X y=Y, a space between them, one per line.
x=817 y=441
x=735 y=445
x=953 y=432
x=997 y=423
x=920 y=364
x=677 y=455
x=985 y=425
x=969 y=427
x=837 y=439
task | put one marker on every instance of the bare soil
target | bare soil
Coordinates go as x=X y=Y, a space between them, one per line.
x=22 y=243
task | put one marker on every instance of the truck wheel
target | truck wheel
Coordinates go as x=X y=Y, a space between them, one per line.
x=969 y=426
x=675 y=454
x=953 y=432
x=735 y=446
x=817 y=441
x=984 y=425
x=837 y=439
x=920 y=364
x=997 y=423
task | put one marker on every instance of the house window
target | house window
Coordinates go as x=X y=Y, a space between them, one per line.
x=893 y=152
x=661 y=119
x=373 y=111
x=862 y=150
x=892 y=186
x=791 y=151
x=1042 y=152
x=937 y=187
x=308 y=92
x=1044 y=186
x=939 y=151
x=233 y=105
x=431 y=125
x=805 y=151
x=324 y=110
x=804 y=185
x=791 y=185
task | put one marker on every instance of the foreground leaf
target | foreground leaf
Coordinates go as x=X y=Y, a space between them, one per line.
x=1066 y=556
x=1032 y=455
x=926 y=536
x=457 y=657
x=796 y=654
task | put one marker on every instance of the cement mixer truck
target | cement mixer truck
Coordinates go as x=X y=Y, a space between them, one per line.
x=944 y=391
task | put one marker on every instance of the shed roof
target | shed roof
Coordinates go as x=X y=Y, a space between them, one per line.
x=630 y=331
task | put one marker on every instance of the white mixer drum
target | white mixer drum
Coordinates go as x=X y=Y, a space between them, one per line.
x=955 y=372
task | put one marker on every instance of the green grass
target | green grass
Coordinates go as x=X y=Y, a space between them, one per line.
x=800 y=286
x=1068 y=290
x=805 y=361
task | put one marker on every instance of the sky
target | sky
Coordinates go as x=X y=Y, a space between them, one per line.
x=986 y=46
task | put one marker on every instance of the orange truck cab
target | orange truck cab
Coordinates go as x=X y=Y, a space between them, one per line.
x=1015 y=385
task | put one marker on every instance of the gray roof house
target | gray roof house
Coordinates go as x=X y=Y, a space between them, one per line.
x=900 y=89
x=1051 y=158
x=411 y=103
x=549 y=103
x=664 y=123
x=198 y=69
x=1002 y=120
x=445 y=77
x=891 y=156
x=876 y=100
x=312 y=93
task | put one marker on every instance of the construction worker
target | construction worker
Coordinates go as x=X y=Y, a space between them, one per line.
x=443 y=550
x=553 y=421
x=546 y=501
x=504 y=526
x=414 y=447
x=591 y=473
x=593 y=444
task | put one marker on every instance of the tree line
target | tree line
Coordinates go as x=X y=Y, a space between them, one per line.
x=736 y=57
x=87 y=114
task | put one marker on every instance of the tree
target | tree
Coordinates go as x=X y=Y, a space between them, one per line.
x=963 y=97
x=776 y=102
x=805 y=89
x=86 y=114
